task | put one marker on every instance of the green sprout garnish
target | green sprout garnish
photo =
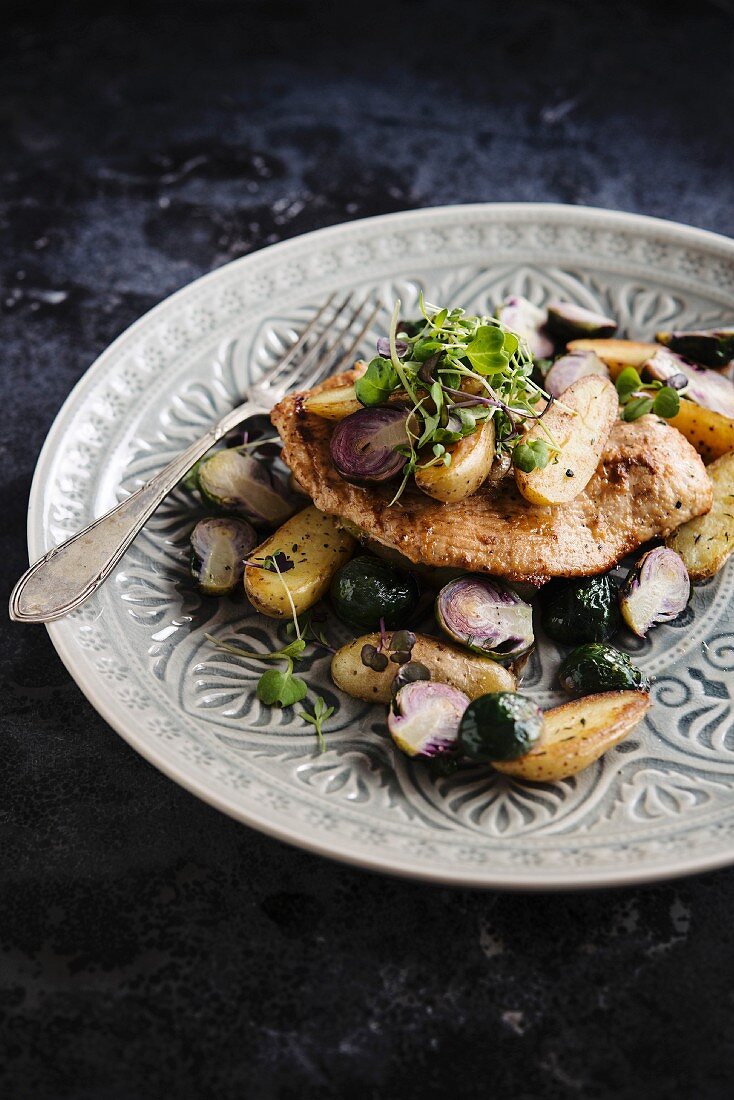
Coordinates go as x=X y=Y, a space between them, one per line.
x=457 y=371
x=638 y=398
x=320 y=714
x=276 y=686
x=280 y=686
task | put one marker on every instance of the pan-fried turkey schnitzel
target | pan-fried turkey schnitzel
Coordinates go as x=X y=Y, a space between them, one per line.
x=649 y=481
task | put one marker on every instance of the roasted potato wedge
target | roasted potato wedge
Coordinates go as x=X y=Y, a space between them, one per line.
x=617 y=354
x=316 y=545
x=469 y=672
x=706 y=542
x=578 y=733
x=581 y=434
x=333 y=404
x=471 y=461
x=709 y=432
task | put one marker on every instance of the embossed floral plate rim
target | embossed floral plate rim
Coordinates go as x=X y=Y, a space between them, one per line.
x=712 y=849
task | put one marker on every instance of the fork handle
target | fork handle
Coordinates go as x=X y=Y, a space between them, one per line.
x=70 y=573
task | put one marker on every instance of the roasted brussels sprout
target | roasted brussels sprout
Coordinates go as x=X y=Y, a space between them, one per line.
x=363 y=446
x=424 y=718
x=219 y=547
x=705 y=387
x=567 y=321
x=368 y=589
x=569 y=368
x=656 y=590
x=237 y=482
x=486 y=617
x=597 y=667
x=501 y=726
x=526 y=320
x=711 y=347
x=582 y=610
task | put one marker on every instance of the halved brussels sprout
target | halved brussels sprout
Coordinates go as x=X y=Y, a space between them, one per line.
x=237 y=482
x=486 y=617
x=219 y=547
x=363 y=446
x=425 y=717
x=524 y=319
x=656 y=590
x=712 y=347
x=501 y=726
x=569 y=368
x=599 y=667
x=567 y=321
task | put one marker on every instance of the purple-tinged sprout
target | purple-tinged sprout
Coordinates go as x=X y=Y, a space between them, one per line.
x=237 y=482
x=484 y=616
x=711 y=347
x=567 y=321
x=657 y=590
x=363 y=445
x=383 y=348
x=219 y=547
x=425 y=716
x=569 y=368
x=528 y=321
x=706 y=387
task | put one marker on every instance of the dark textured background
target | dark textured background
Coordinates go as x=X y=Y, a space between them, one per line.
x=149 y=946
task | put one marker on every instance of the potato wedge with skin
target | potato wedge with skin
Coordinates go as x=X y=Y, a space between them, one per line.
x=617 y=354
x=333 y=404
x=471 y=461
x=469 y=672
x=709 y=432
x=316 y=545
x=581 y=434
x=578 y=733
x=706 y=542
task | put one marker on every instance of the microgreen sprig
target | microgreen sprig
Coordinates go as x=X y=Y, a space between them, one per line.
x=276 y=686
x=321 y=712
x=638 y=398
x=457 y=371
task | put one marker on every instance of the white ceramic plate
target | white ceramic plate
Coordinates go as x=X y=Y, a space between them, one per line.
x=661 y=803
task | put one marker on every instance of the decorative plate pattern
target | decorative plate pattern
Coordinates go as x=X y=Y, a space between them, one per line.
x=661 y=803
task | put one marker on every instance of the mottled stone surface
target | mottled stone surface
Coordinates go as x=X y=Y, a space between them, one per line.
x=149 y=946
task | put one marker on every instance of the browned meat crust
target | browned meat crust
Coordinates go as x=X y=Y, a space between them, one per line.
x=650 y=480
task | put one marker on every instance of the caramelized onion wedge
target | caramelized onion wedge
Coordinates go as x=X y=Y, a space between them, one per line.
x=363 y=446
x=578 y=733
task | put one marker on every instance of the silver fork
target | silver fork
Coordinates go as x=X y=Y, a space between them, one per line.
x=70 y=573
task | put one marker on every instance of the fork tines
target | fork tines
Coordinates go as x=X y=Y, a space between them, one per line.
x=329 y=342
